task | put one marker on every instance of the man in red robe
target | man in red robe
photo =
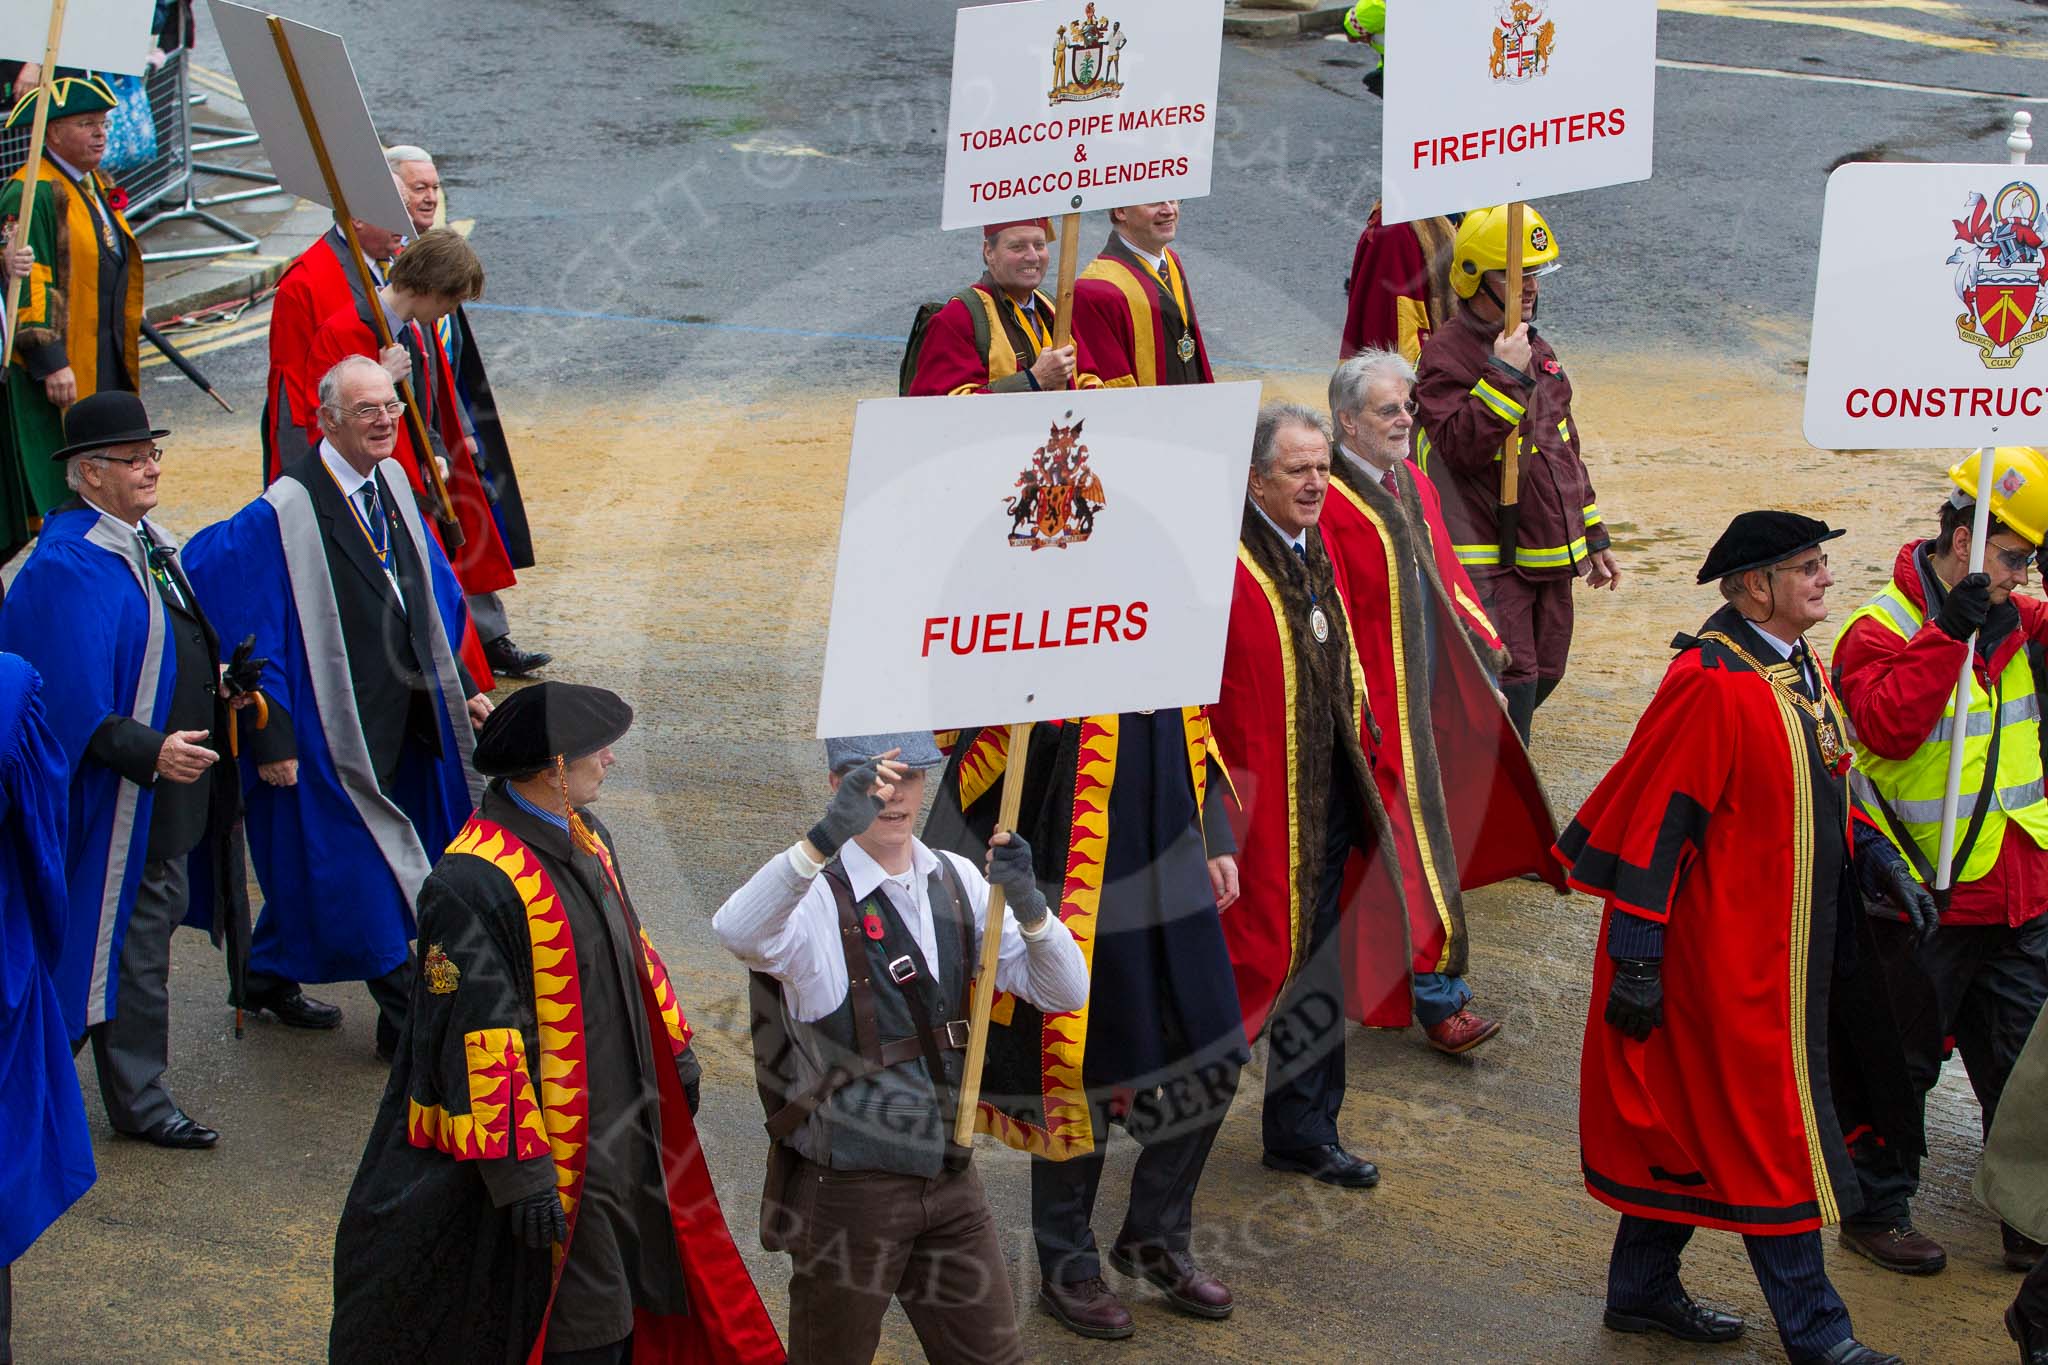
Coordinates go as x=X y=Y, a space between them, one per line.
x=996 y=335
x=1708 y=1095
x=1462 y=798
x=432 y=277
x=1399 y=286
x=1135 y=309
x=319 y=284
x=1305 y=807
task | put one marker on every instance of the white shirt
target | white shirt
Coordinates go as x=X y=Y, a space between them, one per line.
x=1158 y=263
x=784 y=923
x=351 y=483
x=1368 y=466
x=1299 y=540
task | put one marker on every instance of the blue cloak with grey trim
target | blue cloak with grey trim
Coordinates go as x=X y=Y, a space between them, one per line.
x=45 y=1152
x=340 y=861
x=84 y=614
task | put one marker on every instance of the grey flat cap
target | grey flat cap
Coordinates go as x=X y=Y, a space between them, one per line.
x=850 y=750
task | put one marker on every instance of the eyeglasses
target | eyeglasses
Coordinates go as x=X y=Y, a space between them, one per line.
x=369 y=412
x=1390 y=411
x=1806 y=569
x=2015 y=561
x=155 y=455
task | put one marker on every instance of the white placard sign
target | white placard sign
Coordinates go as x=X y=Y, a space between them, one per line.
x=1490 y=101
x=1017 y=557
x=99 y=35
x=1060 y=107
x=338 y=105
x=1930 y=315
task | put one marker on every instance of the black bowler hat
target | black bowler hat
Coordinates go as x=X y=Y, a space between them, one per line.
x=1757 y=540
x=113 y=417
x=547 y=720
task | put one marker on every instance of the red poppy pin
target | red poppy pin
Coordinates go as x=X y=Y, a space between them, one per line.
x=1551 y=366
x=117 y=199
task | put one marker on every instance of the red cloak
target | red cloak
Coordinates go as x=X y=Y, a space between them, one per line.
x=1399 y=286
x=312 y=288
x=1133 y=324
x=1721 y=821
x=1255 y=723
x=950 y=360
x=480 y=562
x=1463 y=799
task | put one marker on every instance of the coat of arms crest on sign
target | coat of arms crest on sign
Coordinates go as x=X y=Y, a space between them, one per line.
x=1999 y=273
x=1523 y=39
x=1058 y=496
x=1087 y=59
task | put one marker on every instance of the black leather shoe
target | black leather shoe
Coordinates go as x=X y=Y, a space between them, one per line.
x=1087 y=1308
x=1186 y=1285
x=1853 y=1352
x=2022 y=1253
x=179 y=1131
x=295 y=1009
x=1678 y=1316
x=509 y=660
x=2033 y=1341
x=1330 y=1164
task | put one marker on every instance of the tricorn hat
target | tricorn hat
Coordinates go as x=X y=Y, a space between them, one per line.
x=1757 y=540
x=111 y=417
x=75 y=95
x=549 y=720
x=918 y=750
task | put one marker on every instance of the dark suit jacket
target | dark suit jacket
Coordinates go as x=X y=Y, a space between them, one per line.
x=386 y=641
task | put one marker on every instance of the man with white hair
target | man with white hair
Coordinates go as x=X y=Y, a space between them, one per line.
x=103 y=610
x=472 y=409
x=1463 y=800
x=353 y=607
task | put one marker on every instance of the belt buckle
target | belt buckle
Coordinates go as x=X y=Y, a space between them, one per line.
x=957 y=1033
x=902 y=970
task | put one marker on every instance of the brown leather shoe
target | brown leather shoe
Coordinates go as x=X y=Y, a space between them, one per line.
x=1086 y=1308
x=1186 y=1285
x=1461 y=1032
x=1898 y=1246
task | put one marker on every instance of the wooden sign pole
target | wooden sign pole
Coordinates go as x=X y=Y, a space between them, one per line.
x=1063 y=302
x=25 y=214
x=992 y=926
x=451 y=532
x=1511 y=453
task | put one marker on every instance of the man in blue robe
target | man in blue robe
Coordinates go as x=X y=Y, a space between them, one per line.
x=353 y=606
x=48 y=1157
x=102 y=609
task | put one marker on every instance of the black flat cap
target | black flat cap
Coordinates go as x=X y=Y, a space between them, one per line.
x=538 y=723
x=1757 y=540
x=111 y=417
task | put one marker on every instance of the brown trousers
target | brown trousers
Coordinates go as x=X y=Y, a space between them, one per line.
x=859 y=1238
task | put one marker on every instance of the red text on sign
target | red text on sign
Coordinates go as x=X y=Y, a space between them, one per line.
x=1015 y=631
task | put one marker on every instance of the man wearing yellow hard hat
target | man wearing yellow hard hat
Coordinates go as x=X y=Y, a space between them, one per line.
x=1983 y=975
x=1476 y=387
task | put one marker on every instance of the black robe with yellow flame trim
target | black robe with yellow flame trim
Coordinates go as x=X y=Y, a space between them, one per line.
x=491 y=1089
x=1122 y=813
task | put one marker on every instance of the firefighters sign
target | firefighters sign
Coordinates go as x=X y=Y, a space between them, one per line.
x=1033 y=556
x=1930 y=314
x=1058 y=107
x=1491 y=101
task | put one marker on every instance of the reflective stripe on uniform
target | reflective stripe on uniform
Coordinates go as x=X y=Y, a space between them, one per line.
x=1592 y=513
x=1502 y=406
x=1542 y=557
x=1929 y=812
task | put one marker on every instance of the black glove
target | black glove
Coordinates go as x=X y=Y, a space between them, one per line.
x=1888 y=883
x=1913 y=898
x=538 y=1220
x=690 y=1096
x=1635 y=1001
x=854 y=807
x=244 y=674
x=1964 y=609
x=1009 y=866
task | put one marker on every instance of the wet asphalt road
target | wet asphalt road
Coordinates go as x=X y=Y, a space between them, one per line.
x=695 y=211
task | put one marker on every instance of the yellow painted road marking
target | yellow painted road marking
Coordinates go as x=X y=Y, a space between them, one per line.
x=204 y=340
x=214 y=80
x=1868 y=82
x=1815 y=14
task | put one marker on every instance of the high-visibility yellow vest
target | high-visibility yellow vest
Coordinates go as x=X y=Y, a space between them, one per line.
x=1913 y=787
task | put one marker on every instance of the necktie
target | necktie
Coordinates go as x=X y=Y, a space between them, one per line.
x=374 y=523
x=1388 y=482
x=1802 y=662
x=1301 y=551
x=157 y=560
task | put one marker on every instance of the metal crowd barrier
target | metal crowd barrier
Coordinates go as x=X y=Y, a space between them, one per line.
x=160 y=189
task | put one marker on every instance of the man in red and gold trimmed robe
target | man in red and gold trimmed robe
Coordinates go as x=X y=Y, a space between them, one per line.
x=314 y=287
x=1460 y=793
x=1710 y=1094
x=1399 y=286
x=1304 y=812
x=1135 y=309
x=996 y=335
x=533 y=1189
